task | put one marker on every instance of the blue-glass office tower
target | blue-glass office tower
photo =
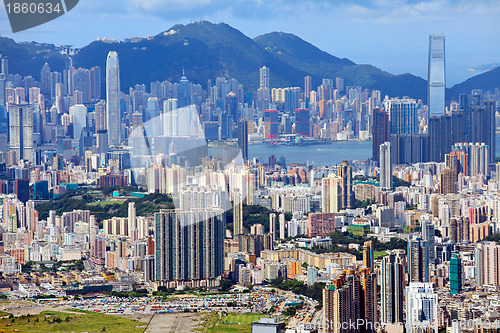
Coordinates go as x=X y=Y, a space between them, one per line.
x=436 y=84
x=183 y=92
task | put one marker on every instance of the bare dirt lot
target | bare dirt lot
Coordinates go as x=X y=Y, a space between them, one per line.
x=173 y=323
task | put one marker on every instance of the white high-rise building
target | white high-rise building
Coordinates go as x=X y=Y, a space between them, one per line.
x=237 y=214
x=331 y=194
x=79 y=115
x=132 y=221
x=487 y=260
x=421 y=308
x=385 y=165
x=272 y=225
x=403 y=115
x=282 y=223
x=264 y=77
x=21 y=131
x=436 y=84
x=170 y=124
x=113 y=120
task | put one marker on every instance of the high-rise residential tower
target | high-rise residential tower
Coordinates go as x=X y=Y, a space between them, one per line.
x=237 y=214
x=21 y=131
x=393 y=283
x=385 y=165
x=421 y=308
x=345 y=172
x=243 y=138
x=331 y=194
x=436 y=84
x=380 y=131
x=113 y=98
x=487 y=260
x=403 y=118
x=428 y=234
x=368 y=255
x=189 y=245
x=264 y=77
x=418 y=260
x=307 y=86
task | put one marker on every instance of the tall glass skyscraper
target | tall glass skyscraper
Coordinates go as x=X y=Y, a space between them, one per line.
x=436 y=83
x=113 y=98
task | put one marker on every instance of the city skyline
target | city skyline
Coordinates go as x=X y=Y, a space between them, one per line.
x=392 y=45
x=189 y=197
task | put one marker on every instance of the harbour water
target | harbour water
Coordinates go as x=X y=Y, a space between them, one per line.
x=318 y=155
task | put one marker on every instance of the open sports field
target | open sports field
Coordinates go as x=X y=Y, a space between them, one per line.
x=233 y=323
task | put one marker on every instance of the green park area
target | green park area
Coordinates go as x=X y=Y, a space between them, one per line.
x=78 y=321
x=230 y=323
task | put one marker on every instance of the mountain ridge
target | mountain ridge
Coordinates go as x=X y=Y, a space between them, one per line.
x=207 y=50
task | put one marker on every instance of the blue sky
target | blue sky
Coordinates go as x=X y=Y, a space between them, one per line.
x=390 y=34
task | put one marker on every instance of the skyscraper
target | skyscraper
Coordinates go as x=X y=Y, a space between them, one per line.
x=490 y=129
x=183 y=92
x=282 y=223
x=464 y=105
x=272 y=225
x=79 y=116
x=487 y=260
x=418 y=261
x=339 y=83
x=170 y=118
x=307 y=86
x=403 y=117
x=21 y=131
x=331 y=194
x=380 y=131
x=436 y=84
x=421 y=308
x=350 y=302
x=45 y=86
x=455 y=274
x=302 y=119
x=189 y=245
x=100 y=127
x=347 y=194
x=3 y=81
x=429 y=234
x=113 y=120
x=447 y=183
x=5 y=66
x=237 y=214
x=243 y=138
x=368 y=255
x=393 y=283
x=271 y=123
x=264 y=77
x=385 y=165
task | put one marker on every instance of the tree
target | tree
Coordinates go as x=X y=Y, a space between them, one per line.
x=225 y=285
x=290 y=311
